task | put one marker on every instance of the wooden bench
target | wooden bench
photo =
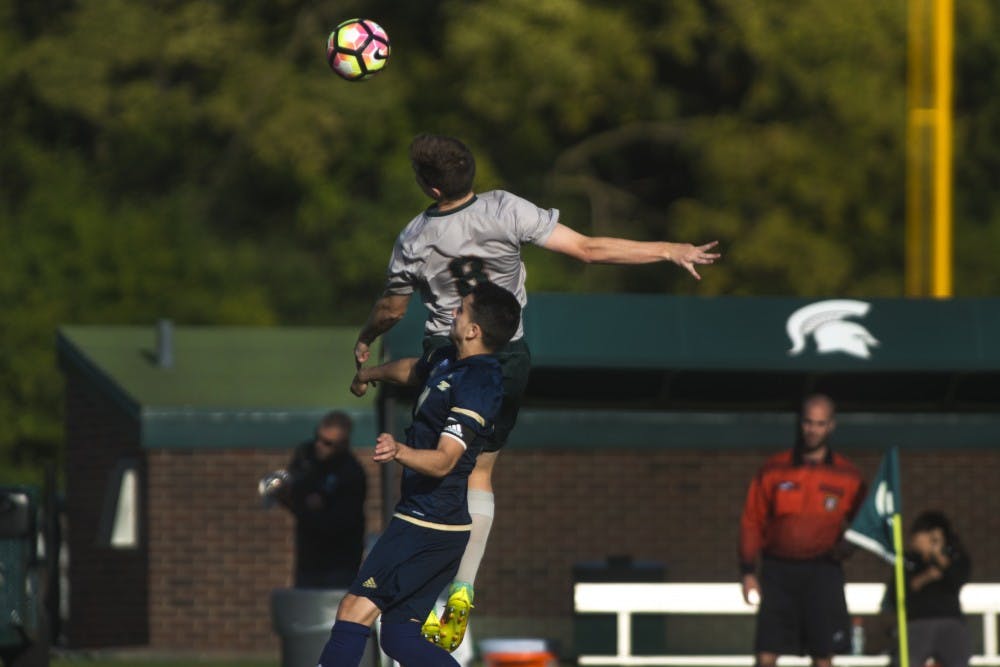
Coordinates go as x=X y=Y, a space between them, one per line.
x=623 y=600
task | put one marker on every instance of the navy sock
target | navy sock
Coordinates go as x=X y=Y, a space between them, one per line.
x=346 y=645
x=404 y=643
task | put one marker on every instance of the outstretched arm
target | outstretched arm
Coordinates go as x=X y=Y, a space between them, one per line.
x=387 y=311
x=398 y=371
x=607 y=250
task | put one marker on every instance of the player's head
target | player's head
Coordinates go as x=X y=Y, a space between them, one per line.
x=444 y=166
x=488 y=313
x=817 y=419
x=333 y=435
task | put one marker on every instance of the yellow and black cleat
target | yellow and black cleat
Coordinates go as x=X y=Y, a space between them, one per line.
x=455 y=620
x=431 y=629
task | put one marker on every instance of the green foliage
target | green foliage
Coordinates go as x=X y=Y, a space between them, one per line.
x=197 y=160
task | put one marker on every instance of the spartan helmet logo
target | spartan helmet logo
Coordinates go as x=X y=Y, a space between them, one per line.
x=884 y=504
x=824 y=321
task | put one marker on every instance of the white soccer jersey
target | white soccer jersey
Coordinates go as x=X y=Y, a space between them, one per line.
x=436 y=249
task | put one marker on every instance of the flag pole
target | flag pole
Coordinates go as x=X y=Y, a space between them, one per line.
x=897 y=541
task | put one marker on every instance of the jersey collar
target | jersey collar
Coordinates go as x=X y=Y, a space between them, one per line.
x=798 y=458
x=433 y=212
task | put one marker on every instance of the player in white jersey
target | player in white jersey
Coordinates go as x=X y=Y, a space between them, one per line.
x=463 y=238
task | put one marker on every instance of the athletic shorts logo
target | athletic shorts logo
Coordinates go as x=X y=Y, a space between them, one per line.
x=443 y=385
x=370 y=583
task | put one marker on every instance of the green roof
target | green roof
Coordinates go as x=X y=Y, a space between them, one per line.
x=227 y=386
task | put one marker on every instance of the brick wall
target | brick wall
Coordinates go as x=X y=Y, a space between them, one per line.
x=215 y=553
x=209 y=556
x=108 y=594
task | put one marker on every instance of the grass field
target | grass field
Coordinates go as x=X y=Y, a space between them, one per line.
x=138 y=662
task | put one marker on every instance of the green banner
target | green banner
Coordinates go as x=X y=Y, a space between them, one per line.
x=749 y=333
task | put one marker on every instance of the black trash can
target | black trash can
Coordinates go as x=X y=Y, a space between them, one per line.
x=595 y=634
x=302 y=618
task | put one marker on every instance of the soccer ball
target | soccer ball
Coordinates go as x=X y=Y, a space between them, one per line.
x=357 y=49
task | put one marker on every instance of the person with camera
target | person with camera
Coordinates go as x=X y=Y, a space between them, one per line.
x=936 y=568
x=324 y=487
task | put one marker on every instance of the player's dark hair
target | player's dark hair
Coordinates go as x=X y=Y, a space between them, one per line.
x=497 y=313
x=336 y=418
x=444 y=163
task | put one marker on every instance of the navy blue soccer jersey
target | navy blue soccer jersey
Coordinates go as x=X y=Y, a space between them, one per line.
x=460 y=400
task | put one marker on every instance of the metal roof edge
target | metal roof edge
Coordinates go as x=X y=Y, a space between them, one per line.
x=593 y=429
x=222 y=428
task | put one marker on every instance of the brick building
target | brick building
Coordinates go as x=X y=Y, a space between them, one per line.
x=645 y=419
x=169 y=544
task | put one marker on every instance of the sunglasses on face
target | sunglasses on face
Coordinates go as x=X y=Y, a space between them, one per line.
x=327 y=442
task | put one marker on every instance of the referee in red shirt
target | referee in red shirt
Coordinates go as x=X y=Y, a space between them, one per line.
x=797 y=508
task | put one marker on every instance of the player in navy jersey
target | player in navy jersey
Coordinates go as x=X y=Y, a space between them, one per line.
x=466 y=237
x=420 y=550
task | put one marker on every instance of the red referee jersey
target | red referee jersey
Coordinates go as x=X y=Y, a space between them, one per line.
x=798 y=510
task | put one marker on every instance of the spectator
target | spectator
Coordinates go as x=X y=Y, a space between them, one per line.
x=935 y=569
x=325 y=490
x=797 y=508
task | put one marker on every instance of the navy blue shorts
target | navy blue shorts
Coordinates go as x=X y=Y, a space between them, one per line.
x=408 y=568
x=802 y=609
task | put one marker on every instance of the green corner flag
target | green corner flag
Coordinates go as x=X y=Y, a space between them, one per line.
x=872 y=527
x=878 y=528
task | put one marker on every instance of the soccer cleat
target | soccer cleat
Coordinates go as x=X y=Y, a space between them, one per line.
x=455 y=620
x=431 y=629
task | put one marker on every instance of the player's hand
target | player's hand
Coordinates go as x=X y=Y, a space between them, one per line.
x=386 y=448
x=751 y=590
x=361 y=353
x=358 y=386
x=687 y=256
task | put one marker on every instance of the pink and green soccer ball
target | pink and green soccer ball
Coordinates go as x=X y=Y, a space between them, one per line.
x=357 y=49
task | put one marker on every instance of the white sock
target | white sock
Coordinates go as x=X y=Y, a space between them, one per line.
x=481 y=510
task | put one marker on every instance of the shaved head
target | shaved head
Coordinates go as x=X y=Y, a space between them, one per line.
x=817 y=421
x=821 y=401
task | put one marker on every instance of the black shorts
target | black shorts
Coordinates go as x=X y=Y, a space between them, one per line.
x=802 y=610
x=407 y=568
x=515 y=362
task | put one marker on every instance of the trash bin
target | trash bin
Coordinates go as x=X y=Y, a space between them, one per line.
x=517 y=653
x=595 y=634
x=302 y=618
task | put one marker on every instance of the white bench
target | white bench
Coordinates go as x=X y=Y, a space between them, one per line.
x=623 y=600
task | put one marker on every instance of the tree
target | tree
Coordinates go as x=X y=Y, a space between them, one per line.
x=199 y=161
